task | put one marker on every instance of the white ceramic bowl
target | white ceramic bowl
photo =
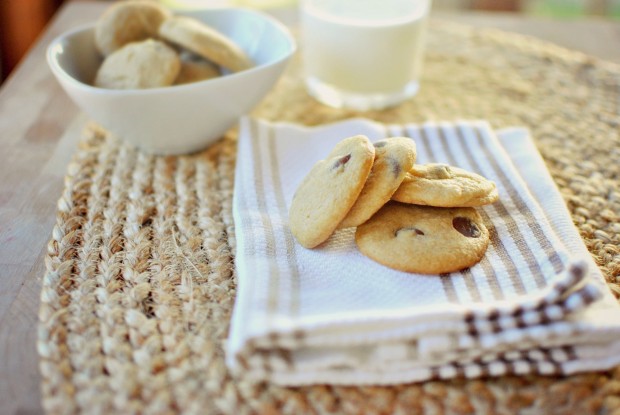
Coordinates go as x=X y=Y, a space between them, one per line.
x=184 y=118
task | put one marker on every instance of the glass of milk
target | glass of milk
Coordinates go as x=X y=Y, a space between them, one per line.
x=363 y=54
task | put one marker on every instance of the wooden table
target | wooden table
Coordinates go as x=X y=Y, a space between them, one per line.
x=39 y=127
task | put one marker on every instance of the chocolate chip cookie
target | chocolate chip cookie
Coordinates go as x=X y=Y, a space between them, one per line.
x=445 y=186
x=330 y=189
x=204 y=41
x=146 y=64
x=128 y=21
x=424 y=239
x=194 y=69
x=394 y=157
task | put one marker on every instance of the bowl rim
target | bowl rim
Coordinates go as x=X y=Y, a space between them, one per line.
x=60 y=72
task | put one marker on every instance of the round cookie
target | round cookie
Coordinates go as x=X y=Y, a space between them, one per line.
x=329 y=190
x=394 y=157
x=445 y=186
x=138 y=65
x=128 y=21
x=424 y=239
x=204 y=41
x=194 y=69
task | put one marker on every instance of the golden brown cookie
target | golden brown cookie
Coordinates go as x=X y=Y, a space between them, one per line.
x=201 y=39
x=128 y=21
x=329 y=190
x=194 y=69
x=394 y=157
x=445 y=186
x=423 y=239
x=138 y=65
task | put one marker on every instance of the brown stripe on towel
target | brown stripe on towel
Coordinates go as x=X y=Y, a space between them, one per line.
x=514 y=367
x=249 y=253
x=299 y=335
x=557 y=369
x=466 y=275
x=557 y=366
x=559 y=298
x=279 y=358
x=535 y=365
x=541 y=237
x=272 y=296
x=575 y=274
x=558 y=354
x=536 y=355
x=541 y=310
x=446 y=279
x=243 y=362
x=274 y=339
x=246 y=355
x=288 y=340
x=512 y=270
x=470 y=321
x=291 y=257
x=251 y=344
x=588 y=296
x=268 y=358
x=519 y=318
x=494 y=319
x=570 y=352
x=484 y=369
x=265 y=358
x=514 y=231
x=560 y=289
x=588 y=293
x=547 y=358
x=471 y=285
x=448 y=287
x=256 y=358
x=286 y=357
x=497 y=243
x=485 y=263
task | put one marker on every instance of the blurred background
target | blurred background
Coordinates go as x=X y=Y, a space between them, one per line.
x=553 y=8
x=21 y=21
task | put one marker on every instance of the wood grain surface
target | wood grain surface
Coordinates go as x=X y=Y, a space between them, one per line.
x=39 y=128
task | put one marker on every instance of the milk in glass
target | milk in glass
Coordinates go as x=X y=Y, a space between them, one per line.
x=363 y=54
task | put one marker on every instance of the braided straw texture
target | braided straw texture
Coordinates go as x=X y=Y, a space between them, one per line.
x=140 y=281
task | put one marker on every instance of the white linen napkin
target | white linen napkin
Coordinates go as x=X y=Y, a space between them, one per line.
x=536 y=303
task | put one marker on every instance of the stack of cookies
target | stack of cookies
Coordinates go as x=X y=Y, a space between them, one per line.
x=413 y=218
x=145 y=46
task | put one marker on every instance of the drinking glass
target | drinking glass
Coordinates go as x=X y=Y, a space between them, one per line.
x=363 y=54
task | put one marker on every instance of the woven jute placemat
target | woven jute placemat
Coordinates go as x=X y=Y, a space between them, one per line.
x=140 y=284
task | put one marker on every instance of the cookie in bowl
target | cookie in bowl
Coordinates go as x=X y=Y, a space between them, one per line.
x=204 y=41
x=128 y=21
x=183 y=117
x=137 y=65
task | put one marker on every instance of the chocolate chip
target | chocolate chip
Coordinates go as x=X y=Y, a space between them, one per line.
x=341 y=161
x=466 y=227
x=395 y=166
x=409 y=229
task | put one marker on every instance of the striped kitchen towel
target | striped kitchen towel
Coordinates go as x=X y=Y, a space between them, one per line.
x=536 y=303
